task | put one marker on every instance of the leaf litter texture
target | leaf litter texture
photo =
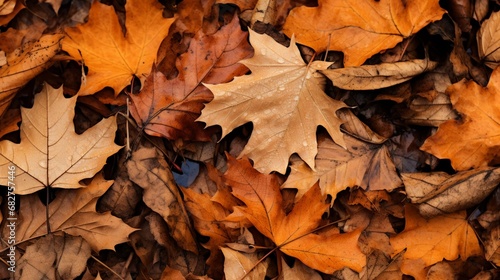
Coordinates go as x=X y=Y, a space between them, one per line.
x=283 y=98
x=113 y=58
x=293 y=233
x=51 y=154
x=360 y=29
x=473 y=141
x=169 y=108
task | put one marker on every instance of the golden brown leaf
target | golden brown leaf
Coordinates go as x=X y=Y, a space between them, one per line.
x=488 y=41
x=360 y=29
x=237 y=265
x=293 y=233
x=169 y=108
x=283 y=98
x=51 y=154
x=442 y=237
x=474 y=140
x=24 y=64
x=54 y=257
x=114 y=59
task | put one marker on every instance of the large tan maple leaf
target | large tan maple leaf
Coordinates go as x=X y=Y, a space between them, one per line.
x=474 y=140
x=360 y=29
x=50 y=152
x=113 y=59
x=327 y=251
x=283 y=98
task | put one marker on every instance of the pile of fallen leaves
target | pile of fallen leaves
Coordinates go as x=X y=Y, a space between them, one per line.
x=257 y=139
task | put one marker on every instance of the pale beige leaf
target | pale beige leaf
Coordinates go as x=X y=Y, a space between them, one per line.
x=149 y=169
x=24 y=64
x=50 y=152
x=439 y=193
x=298 y=271
x=481 y=8
x=54 y=257
x=237 y=265
x=366 y=165
x=488 y=41
x=383 y=75
x=73 y=212
x=284 y=100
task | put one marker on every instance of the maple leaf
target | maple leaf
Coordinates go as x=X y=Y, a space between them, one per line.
x=360 y=29
x=114 y=59
x=24 y=64
x=474 y=140
x=283 y=98
x=292 y=233
x=169 y=108
x=442 y=237
x=50 y=152
x=361 y=164
x=73 y=212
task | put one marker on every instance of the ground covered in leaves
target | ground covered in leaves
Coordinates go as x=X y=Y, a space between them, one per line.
x=250 y=139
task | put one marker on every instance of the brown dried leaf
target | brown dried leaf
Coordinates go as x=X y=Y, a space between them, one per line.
x=439 y=193
x=492 y=245
x=298 y=271
x=488 y=41
x=237 y=265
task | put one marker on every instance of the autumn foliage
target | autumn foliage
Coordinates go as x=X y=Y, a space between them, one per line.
x=229 y=139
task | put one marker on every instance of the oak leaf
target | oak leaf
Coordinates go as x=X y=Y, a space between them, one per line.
x=50 y=152
x=114 y=59
x=24 y=64
x=73 y=212
x=365 y=165
x=360 y=29
x=474 y=140
x=443 y=237
x=169 y=108
x=327 y=251
x=488 y=41
x=283 y=98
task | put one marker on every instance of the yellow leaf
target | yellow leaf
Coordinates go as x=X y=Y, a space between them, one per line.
x=283 y=98
x=50 y=152
x=113 y=59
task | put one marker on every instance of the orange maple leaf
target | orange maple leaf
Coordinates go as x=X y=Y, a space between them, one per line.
x=474 y=140
x=113 y=59
x=360 y=29
x=327 y=251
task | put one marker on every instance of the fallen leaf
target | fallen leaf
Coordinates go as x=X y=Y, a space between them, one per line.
x=51 y=154
x=283 y=98
x=473 y=141
x=492 y=245
x=365 y=165
x=73 y=212
x=169 y=108
x=114 y=59
x=298 y=271
x=360 y=29
x=481 y=8
x=488 y=41
x=54 y=257
x=378 y=76
x=7 y=13
x=149 y=169
x=327 y=251
x=439 y=193
x=425 y=112
x=237 y=265
x=430 y=241
x=461 y=12
x=24 y=64
x=9 y=121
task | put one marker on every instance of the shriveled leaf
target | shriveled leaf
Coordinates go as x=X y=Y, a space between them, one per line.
x=24 y=64
x=360 y=29
x=168 y=108
x=114 y=59
x=365 y=165
x=51 y=154
x=292 y=233
x=73 y=212
x=383 y=75
x=237 y=265
x=488 y=41
x=473 y=141
x=54 y=257
x=443 y=237
x=149 y=169
x=439 y=193
x=283 y=98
